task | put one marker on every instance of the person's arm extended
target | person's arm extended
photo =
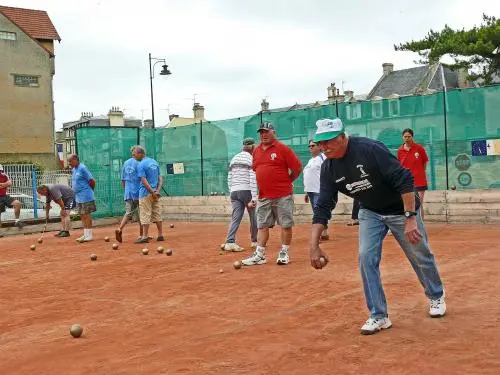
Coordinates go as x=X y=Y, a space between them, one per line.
x=328 y=196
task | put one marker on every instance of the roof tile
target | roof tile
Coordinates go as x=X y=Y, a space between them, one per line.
x=36 y=23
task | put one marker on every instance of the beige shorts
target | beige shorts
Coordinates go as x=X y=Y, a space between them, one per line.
x=278 y=210
x=149 y=210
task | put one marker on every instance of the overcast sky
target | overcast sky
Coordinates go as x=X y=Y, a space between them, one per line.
x=231 y=53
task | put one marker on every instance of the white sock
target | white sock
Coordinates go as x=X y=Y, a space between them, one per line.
x=85 y=234
x=285 y=247
x=260 y=249
x=89 y=233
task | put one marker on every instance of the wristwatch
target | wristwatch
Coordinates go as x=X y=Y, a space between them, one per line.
x=409 y=214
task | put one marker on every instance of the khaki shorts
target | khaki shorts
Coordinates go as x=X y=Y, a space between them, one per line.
x=149 y=210
x=132 y=208
x=85 y=208
x=278 y=210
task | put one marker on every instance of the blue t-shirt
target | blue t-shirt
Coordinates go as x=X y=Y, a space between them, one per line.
x=132 y=180
x=80 y=184
x=150 y=169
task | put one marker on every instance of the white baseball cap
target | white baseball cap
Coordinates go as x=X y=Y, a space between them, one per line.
x=328 y=129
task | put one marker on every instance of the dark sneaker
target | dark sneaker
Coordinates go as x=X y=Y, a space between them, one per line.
x=64 y=233
x=141 y=240
x=160 y=238
x=19 y=224
x=118 y=235
x=58 y=234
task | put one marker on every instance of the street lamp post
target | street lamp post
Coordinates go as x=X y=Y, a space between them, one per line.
x=164 y=72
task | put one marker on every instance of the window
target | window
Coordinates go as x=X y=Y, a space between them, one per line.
x=7 y=35
x=394 y=107
x=377 y=109
x=353 y=111
x=26 y=81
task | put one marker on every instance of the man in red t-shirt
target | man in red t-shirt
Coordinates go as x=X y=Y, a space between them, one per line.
x=276 y=166
x=6 y=200
x=413 y=157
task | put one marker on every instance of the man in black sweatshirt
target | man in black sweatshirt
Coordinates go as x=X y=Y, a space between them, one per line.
x=365 y=169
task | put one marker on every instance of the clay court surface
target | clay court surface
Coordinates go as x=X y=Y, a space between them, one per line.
x=156 y=314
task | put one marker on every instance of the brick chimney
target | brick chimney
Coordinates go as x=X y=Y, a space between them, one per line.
x=198 y=111
x=115 y=116
x=332 y=92
x=387 y=68
x=264 y=105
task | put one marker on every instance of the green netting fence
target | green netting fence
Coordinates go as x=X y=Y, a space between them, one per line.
x=457 y=128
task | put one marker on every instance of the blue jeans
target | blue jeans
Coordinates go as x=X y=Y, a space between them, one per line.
x=239 y=201
x=373 y=228
x=313 y=199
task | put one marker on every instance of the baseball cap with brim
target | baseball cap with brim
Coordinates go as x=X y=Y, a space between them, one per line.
x=265 y=126
x=328 y=129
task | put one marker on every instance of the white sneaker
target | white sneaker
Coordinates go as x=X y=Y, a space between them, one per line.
x=437 y=307
x=283 y=258
x=373 y=325
x=256 y=258
x=84 y=239
x=232 y=247
x=254 y=245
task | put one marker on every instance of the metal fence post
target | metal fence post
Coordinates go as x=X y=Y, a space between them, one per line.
x=35 y=195
x=201 y=155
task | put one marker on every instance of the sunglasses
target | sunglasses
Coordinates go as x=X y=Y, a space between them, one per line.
x=311 y=146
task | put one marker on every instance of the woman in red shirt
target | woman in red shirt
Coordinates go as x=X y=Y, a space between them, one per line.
x=412 y=156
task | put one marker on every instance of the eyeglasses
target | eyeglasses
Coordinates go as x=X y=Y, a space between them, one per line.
x=311 y=146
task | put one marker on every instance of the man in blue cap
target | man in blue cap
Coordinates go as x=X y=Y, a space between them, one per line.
x=364 y=169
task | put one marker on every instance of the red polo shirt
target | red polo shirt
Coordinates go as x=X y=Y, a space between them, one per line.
x=415 y=160
x=271 y=169
x=3 y=178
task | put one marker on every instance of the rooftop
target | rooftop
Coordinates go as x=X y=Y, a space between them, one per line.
x=35 y=23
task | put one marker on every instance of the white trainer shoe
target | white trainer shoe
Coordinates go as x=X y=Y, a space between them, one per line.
x=256 y=258
x=373 y=325
x=84 y=239
x=437 y=307
x=232 y=247
x=283 y=258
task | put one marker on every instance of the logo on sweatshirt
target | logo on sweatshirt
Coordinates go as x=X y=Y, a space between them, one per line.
x=361 y=170
x=273 y=156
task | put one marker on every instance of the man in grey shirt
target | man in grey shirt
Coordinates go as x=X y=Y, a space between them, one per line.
x=64 y=196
